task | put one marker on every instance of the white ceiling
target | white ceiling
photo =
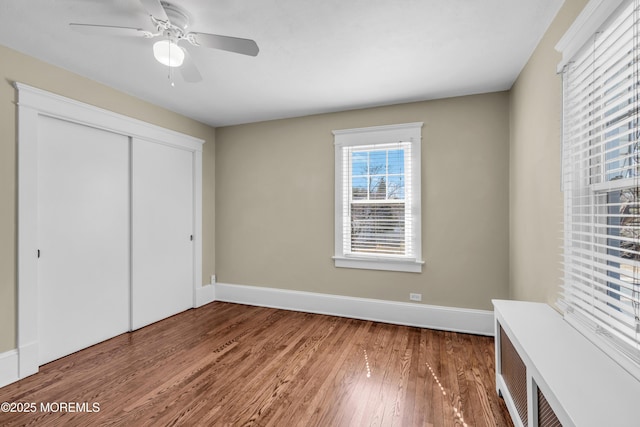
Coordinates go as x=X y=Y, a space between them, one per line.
x=315 y=55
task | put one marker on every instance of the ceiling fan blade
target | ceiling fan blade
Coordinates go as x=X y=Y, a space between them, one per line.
x=155 y=9
x=108 y=30
x=231 y=44
x=189 y=70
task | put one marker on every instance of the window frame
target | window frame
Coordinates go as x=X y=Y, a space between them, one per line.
x=591 y=299
x=372 y=136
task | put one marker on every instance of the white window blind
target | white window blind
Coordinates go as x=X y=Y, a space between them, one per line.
x=377 y=198
x=601 y=181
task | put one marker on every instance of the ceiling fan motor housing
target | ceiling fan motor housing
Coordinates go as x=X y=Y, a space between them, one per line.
x=177 y=17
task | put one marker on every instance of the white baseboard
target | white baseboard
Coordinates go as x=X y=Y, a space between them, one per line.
x=204 y=295
x=28 y=356
x=18 y=363
x=479 y=322
x=9 y=367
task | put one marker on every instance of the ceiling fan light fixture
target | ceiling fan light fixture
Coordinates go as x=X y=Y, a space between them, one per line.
x=168 y=53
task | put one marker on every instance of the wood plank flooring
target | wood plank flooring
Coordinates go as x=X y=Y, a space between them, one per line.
x=229 y=364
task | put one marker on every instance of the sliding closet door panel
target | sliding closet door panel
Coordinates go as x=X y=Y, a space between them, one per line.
x=162 y=225
x=83 y=237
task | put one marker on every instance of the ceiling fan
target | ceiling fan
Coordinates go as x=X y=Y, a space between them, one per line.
x=170 y=23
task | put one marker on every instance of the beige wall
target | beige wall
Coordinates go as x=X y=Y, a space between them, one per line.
x=275 y=203
x=536 y=203
x=488 y=160
x=17 y=67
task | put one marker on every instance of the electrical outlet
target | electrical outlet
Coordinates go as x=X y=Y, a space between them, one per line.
x=213 y=278
x=415 y=297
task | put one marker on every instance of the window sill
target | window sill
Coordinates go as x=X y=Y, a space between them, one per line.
x=388 y=264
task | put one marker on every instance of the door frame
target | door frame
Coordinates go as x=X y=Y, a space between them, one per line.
x=32 y=104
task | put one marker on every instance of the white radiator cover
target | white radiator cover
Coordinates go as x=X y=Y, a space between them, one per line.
x=581 y=385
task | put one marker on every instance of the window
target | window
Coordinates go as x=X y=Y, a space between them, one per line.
x=378 y=198
x=601 y=179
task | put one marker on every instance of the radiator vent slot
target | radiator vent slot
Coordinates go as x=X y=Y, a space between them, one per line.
x=546 y=416
x=514 y=373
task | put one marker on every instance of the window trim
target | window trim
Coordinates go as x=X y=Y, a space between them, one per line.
x=406 y=132
x=592 y=17
x=580 y=38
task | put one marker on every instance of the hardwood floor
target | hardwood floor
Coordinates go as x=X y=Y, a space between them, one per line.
x=229 y=364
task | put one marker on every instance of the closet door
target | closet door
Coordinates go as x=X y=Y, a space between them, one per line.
x=83 y=237
x=162 y=229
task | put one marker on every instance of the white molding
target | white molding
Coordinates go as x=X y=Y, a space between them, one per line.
x=464 y=320
x=32 y=104
x=29 y=360
x=378 y=134
x=387 y=264
x=27 y=316
x=197 y=226
x=594 y=14
x=9 y=367
x=57 y=106
x=205 y=294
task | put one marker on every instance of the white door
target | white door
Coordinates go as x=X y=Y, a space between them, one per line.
x=83 y=237
x=162 y=223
